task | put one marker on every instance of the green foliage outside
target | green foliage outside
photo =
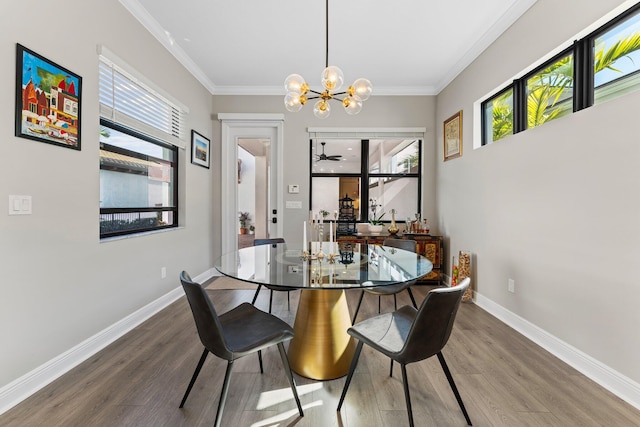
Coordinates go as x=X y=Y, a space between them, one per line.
x=547 y=89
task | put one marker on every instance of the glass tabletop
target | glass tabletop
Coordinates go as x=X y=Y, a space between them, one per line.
x=354 y=266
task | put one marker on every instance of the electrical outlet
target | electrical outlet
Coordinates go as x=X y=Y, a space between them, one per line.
x=163 y=272
x=511 y=286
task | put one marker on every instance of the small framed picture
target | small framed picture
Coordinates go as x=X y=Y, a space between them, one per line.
x=48 y=99
x=200 y=149
x=453 y=136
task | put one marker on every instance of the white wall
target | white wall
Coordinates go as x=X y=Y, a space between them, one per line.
x=556 y=207
x=60 y=284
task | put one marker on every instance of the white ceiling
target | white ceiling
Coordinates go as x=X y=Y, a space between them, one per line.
x=404 y=47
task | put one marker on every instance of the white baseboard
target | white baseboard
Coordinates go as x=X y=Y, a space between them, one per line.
x=623 y=387
x=23 y=387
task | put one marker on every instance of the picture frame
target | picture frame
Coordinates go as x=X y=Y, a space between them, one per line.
x=48 y=101
x=200 y=149
x=452 y=136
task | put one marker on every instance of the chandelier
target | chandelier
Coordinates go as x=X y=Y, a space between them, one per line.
x=332 y=80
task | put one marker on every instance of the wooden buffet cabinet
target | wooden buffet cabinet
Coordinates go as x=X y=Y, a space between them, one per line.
x=431 y=247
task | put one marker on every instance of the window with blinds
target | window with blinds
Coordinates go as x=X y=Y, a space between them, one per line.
x=141 y=130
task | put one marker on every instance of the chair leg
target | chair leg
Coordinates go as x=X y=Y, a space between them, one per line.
x=194 y=376
x=395 y=302
x=287 y=369
x=260 y=361
x=391 y=369
x=379 y=298
x=407 y=398
x=255 y=296
x=413 y=300
x=447 y=373
x=288 y=301
x=224 y=393
x=353 y=322
x=354 y=363
x=270 y=299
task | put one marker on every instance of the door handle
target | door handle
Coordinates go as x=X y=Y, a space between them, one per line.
x=274 y=220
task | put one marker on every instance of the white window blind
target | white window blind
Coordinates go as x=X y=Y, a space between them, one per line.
x=128 y=99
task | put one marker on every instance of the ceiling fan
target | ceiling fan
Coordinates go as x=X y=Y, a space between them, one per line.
x=323 y=156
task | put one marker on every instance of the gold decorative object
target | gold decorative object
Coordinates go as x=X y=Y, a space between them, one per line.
x=321 y=349
x=393 y=228
x=464 y=270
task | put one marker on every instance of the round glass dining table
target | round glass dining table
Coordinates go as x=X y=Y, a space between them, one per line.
x=321 y=348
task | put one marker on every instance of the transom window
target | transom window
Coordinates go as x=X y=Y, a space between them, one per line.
x=601 y=66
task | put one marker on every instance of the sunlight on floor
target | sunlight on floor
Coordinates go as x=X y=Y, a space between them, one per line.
x=276 y=420
x=272 y=398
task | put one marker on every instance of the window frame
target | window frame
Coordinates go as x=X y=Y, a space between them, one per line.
x=365 y=175
x=583 y=77
x=483 y=104
x=175 y=166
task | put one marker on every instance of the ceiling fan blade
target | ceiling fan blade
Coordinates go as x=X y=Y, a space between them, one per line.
x=334 y=157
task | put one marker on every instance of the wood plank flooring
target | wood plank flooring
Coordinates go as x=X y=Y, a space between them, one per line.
x=504 y=380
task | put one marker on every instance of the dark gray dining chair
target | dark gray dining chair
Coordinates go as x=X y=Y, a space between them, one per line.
x=407 y=245
x=408 y=335
x=273 y=241
x=241 y=331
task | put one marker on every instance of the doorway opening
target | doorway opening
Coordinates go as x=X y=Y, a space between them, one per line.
x=254 y=165
x=237 y=127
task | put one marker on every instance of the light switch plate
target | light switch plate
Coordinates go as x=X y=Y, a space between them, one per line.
x=19 y=205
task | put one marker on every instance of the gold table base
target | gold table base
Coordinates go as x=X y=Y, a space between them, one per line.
x=321 y=348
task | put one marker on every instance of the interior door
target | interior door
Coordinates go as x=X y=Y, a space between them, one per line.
x=236 y=127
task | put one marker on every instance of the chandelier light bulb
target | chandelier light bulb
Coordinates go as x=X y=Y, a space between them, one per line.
x=296 y=83
x=362 y=88
x=352 y=105
x=293 y=102
x=322 y=109
x=332 y=78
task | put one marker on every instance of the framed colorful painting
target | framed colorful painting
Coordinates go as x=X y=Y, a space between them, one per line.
x=48 y=100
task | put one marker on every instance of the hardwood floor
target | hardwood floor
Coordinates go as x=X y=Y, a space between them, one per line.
x=504 y=380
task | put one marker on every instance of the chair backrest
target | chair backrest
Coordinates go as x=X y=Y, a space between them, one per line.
x=206 y=318
x=406 y=244
x=432 y=326
x=272 y=241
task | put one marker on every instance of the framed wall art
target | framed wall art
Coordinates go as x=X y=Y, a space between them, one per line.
x=48 y=100
x=453 y=136
x=200 y=149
